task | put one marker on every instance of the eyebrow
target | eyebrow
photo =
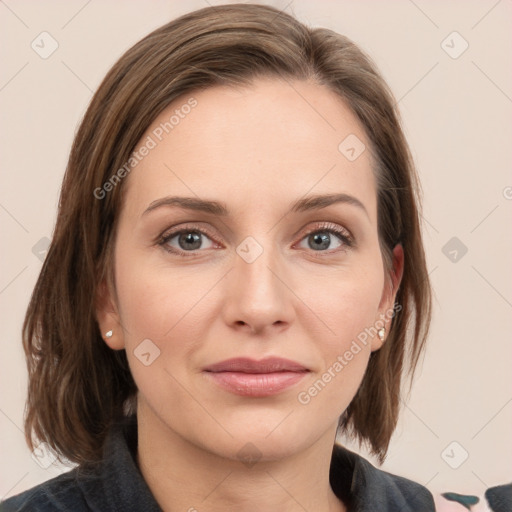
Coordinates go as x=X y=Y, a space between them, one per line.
x=315 y=202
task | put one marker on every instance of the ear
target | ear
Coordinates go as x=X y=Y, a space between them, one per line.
x=386 y=306
x=108 y=318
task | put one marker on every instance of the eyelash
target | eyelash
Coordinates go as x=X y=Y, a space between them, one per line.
x=326 y=227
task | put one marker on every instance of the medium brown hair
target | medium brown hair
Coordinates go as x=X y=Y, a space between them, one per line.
x=78 y=386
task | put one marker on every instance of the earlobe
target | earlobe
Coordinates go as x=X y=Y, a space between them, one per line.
x=108 y=319
x=386 y=306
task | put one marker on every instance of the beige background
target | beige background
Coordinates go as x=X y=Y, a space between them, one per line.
x=458 y=118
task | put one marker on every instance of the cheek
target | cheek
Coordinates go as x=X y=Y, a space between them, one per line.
x=348 y=310
x=347 y=307
x=154 y=302
x=164 y=308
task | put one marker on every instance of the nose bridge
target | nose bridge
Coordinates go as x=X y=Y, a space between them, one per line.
x=257 y=293
x=255 y=267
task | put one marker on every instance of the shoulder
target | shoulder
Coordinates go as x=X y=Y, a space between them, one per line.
x=500 y=497
x=112 y=483
x=64 y=492
x=374 y=489
x=399 y=492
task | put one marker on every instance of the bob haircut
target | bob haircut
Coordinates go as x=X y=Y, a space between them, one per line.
x=78 y=387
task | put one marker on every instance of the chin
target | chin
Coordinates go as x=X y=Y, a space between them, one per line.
x=264 y=439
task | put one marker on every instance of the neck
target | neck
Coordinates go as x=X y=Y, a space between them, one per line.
x=183 y=476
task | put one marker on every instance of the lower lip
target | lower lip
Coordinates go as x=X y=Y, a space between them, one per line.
x=256 y=384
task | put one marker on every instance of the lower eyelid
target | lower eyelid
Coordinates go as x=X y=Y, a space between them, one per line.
x=345 y=239
x=166 y=238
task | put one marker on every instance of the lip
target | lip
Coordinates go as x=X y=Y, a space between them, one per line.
x=249 y=377
x=247 y=365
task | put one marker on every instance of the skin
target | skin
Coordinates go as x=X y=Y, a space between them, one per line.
x=257 y=149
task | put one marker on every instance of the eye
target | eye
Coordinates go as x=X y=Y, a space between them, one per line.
x=327 y=237
x=324 y=238
x=186 y=240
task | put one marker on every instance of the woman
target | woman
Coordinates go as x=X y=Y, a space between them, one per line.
x=236 y=274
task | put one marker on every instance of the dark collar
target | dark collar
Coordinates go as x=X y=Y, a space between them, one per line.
x=359 y=484
x=117 y=483
x=364 y=488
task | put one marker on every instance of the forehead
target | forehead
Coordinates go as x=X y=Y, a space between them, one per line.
x=259 y=144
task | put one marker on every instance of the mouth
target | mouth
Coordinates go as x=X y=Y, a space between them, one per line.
x=249 y=377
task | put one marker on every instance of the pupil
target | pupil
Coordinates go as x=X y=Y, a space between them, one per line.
x=322 y=240
x=191 y=238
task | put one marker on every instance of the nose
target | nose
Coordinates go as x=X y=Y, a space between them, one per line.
x=258 y=296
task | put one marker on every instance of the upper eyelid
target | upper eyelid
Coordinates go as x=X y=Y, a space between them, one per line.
x=172 y=232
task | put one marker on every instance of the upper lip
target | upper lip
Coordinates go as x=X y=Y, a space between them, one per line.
x=247 y=365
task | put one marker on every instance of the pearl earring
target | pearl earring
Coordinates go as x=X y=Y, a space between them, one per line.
x=381 y=333
x=108 y=334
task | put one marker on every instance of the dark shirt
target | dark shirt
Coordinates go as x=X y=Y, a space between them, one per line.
x=118 y=485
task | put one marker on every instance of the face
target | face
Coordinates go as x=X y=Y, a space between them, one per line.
x=263 y=273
